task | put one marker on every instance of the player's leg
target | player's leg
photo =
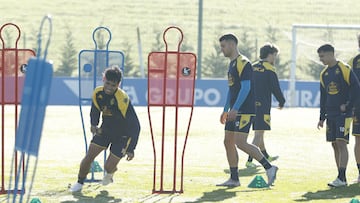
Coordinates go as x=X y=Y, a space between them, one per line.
x=342 y=124
x=357 y=155
x=93 y=151
x=261 y=124
x=110 y=168
x=254 y=151
x=244 y=123
x=356 y=133
x=230 y=148
x=233 y=159
x=231 y=155
x=118 y=148
x=343 y=158
x=336 y=154
x=258 y=141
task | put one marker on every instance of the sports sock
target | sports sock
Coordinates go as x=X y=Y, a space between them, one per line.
x=250 y=159
x=358 y=166
x=265 y=163
x=342 y=175
x=234 y=173
x=266 y=155
x=81 y=180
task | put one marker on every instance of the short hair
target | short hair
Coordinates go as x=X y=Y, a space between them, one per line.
x=267 y=49
x=229 y=37
x=113 y=73
x=326 y=48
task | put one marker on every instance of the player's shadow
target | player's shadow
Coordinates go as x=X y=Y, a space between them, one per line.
x=331 y=193
x=102 y=197
x=246 y=171
x=218 y=195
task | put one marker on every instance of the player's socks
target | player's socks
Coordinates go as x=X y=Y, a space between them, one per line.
x=265 y=163
x=342 y=172
x=266 y=155
x=81 y=180
x=234 y=173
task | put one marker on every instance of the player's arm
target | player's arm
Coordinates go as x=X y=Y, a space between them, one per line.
x=276 y=90
x=224 y=114
x=94 y=115
x=354 y=100
x=323 y=97
x=133 y=130
x=243 y=93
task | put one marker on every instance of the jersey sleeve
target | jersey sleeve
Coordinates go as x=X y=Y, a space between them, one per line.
x=275 y=88
x=133 y=127
x=354 y=91
x=246 y=73
x=95 y=111
x=323 y=96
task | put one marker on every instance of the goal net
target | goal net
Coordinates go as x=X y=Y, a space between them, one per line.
x=307 y=38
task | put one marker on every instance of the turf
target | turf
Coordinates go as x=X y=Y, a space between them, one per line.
x=306 y=162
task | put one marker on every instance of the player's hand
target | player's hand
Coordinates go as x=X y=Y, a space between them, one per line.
x=223 y=117
x=95 y=130
x=320 y=124
x=232 y=115
x=129 y=156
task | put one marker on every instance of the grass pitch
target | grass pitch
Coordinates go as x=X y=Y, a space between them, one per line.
x=306 y=162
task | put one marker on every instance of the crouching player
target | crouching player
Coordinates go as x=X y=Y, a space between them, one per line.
x=120 y=127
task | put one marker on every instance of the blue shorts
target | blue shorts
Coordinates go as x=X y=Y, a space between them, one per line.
x=242 y=123
x=262 y=122
x=356 y=124
x=118 y=144
x=338 y=128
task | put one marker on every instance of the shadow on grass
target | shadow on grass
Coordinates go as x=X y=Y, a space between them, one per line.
x=102 y=197
x=246 y=171
x=159 y=197
x=218 y=195
x=222 y=194
x=332 y=193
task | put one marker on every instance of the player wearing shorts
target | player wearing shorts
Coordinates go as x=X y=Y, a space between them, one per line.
x=266 y=85
x=238 y=112
x=355 y=65
x=120 y=127
x=338 y=86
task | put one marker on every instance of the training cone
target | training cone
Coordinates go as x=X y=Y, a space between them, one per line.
x=35 y=200
x=258 y=182
x=95 y=166
x=354 y=200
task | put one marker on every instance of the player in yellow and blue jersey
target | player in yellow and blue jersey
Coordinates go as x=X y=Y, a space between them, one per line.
x=355 y=65
x=266 y=85
x=238 y=112
x=120 y=127
x=338 y=90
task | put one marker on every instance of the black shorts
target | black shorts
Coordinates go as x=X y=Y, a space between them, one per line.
x=118 y=144
x=262 y=122
x=338 y=128
x=242 y=123
x=356 y=124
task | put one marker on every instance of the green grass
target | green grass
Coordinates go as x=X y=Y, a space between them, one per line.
x=123 y=17
x=306 y=162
